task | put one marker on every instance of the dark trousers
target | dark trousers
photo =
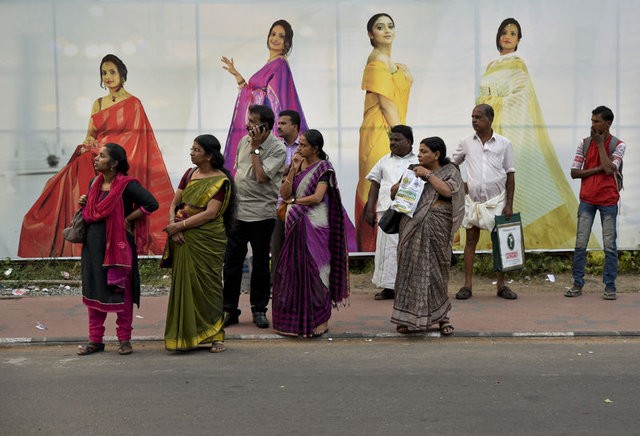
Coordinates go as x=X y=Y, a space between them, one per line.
x=258 y=234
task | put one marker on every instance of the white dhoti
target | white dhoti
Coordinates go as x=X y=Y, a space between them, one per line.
x=482 y=215
x=386 y=259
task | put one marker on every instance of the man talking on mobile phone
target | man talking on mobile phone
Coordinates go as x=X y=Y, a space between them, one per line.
x=259 y=168
x=598 y=165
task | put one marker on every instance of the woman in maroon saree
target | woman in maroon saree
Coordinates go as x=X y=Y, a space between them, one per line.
x=312 y=271
x=118 y=118
x=271 y=86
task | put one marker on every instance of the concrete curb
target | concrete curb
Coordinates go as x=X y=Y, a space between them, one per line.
x=45 y=340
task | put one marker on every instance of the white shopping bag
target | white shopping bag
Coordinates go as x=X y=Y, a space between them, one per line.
x=408 y=195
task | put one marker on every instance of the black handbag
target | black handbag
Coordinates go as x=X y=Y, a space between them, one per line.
x=77 y=231
x=390 y=221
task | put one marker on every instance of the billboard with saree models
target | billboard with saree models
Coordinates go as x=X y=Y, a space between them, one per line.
x=194 y=67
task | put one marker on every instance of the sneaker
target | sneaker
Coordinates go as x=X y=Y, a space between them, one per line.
x=609 y=294
x=575 y=291
x=385 y=294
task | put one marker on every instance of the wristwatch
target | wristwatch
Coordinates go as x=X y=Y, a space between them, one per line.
x=256 y=152
x=293 y=200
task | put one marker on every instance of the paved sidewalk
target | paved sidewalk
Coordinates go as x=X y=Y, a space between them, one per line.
x=64 y=319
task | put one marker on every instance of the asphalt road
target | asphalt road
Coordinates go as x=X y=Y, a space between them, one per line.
x=321 y=387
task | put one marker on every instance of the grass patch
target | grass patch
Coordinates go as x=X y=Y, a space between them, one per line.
x=24 y=271
x=555 y=263
x=151 y=274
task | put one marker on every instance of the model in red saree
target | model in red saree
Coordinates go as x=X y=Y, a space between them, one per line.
x=125 y=123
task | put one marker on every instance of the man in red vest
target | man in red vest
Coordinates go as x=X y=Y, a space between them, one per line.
x=598 y=163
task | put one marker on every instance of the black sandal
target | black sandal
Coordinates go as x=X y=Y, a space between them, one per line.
x=385 y=294
x=90 y=348
x=446 y=328
x=125 y=348
x=406 y=330
x=464 y=293
x=506 y=293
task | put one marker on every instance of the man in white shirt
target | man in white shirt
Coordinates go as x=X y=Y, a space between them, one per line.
x=490 y=187
x=386 y=172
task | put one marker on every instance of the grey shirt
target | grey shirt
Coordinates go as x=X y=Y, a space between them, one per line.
x=257 y=201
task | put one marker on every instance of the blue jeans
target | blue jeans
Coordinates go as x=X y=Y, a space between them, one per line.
x=608 y=216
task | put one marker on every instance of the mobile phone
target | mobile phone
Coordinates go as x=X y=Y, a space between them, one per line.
x=262 y=127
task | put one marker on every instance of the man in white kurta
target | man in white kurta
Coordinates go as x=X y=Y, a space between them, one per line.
x=386 y=172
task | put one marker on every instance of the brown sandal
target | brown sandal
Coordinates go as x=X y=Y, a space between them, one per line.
x=90 y=348
x=217 y=347
x=125 y=348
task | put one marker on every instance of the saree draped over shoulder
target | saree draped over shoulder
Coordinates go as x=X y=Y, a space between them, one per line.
x=424 y=255
x=543 y=195
x=374 y=135
x=125 y=123
x=194 y=313
x=312 y=271
x=271 y=86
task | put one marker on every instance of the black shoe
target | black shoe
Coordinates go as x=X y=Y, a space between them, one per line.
x=231 y=319
x=385 y=294
x=260 y=319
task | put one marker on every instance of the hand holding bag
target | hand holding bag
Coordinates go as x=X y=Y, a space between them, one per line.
x=77 y=231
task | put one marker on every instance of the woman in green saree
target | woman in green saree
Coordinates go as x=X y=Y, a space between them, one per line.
x=199 y=214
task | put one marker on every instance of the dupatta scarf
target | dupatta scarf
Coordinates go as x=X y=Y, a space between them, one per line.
x=118 y=256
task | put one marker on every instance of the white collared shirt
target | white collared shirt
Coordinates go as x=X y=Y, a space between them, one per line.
x=387 y=172
x=487 y=165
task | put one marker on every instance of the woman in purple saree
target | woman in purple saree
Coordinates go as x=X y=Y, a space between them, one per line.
x=312 y=271
x=271 y=86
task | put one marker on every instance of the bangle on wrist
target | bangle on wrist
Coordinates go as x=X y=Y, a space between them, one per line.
x=184 y=224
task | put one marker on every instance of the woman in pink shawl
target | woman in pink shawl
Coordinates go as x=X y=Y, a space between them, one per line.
x=271 y=86
x=115 y=211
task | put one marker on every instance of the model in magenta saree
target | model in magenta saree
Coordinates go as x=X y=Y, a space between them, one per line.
x=312 y=272
x=271 y=86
